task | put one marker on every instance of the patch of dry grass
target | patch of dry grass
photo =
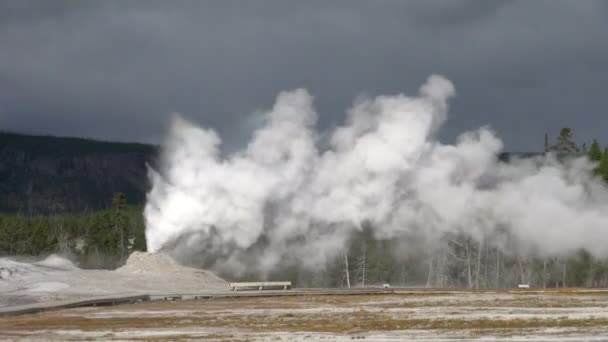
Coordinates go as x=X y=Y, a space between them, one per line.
x=358 y=321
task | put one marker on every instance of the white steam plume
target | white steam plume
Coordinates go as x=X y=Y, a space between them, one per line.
x=284 y=199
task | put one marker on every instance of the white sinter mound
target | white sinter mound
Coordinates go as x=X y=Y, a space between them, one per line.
x=141 y=262
x=11 y=269
x=163 y=265
x=58 y=262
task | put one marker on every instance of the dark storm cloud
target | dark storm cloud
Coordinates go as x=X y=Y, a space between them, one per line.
x=117 y=69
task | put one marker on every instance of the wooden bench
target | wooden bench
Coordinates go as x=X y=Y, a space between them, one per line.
x=261 y=285
x=173 y=297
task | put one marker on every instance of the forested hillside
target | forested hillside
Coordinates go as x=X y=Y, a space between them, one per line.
x=49 y=175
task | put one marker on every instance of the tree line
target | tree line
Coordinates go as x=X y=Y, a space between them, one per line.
x=456 y=261
x=98 y=239
x=565 y=144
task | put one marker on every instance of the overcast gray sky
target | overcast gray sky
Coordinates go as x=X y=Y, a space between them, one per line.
x=115 y=70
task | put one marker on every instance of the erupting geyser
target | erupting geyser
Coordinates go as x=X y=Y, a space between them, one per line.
x=289 y=197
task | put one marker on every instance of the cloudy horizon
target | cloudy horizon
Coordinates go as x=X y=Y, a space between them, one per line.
x=116 y=70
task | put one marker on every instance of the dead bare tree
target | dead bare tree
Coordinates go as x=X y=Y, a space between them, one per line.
x=467 y=250
x=564 y=274
x=430 y=274
x=362 y=266
x=497 y=267
x=478 y=266
x=521 y=270
x=346 y=271
x=544 y=273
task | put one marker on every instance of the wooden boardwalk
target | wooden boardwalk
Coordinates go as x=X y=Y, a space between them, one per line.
x=140 y=297
x=73 y=303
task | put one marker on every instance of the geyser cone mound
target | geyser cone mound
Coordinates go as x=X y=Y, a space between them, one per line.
x=142 y=262
x=161 y=265
x=57 y=262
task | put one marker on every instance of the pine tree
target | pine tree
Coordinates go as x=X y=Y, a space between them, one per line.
x=99 y=235
x=107 y=238
x=139 y=238
x=595 y=152
x=564 y=143
x=120 y=223
x=119 y=201
x=602 y=169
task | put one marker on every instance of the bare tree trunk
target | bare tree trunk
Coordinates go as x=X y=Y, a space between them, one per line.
x=439 y=268
x=122 y=246
x=521 y=270
x=564 y=275
x=346 y=270
x=497 y=268
x=469 y=271
x=486 y=282
x=362 y=267
x=478 y=271
x=544 y=273
x=428 y=278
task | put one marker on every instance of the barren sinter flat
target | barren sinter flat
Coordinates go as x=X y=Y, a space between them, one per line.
x=558 y=315
x=56 y=279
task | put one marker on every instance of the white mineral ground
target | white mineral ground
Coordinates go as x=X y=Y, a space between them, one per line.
x=532 y=318
x=568 y=315
x=56 y=278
